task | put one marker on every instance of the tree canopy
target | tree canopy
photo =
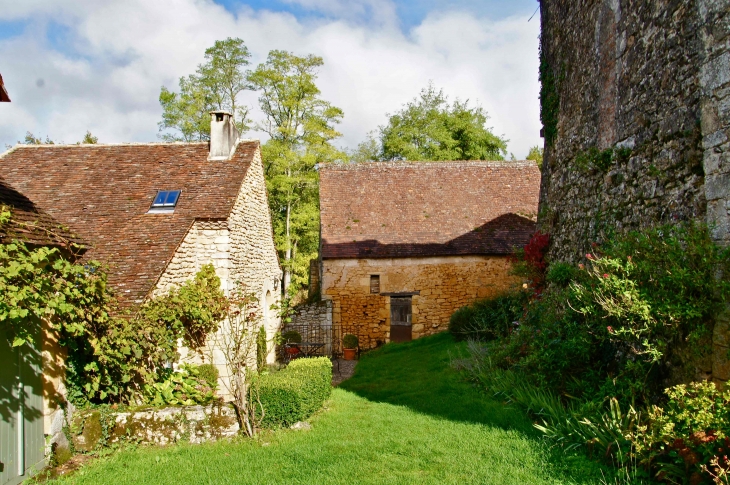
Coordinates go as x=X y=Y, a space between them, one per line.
x=536 y=155
x=301 y=126
x=216 y=85
x=431 y=128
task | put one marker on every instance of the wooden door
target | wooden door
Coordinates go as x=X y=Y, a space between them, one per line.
x=400 y=319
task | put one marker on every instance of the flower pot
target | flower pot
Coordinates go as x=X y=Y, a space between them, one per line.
x=350 y=353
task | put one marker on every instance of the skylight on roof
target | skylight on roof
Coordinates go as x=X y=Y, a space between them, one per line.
x=165 y=201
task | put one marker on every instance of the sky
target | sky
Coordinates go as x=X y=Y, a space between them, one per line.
x=98 y=65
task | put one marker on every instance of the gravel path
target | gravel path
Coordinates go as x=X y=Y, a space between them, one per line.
x=342 y=370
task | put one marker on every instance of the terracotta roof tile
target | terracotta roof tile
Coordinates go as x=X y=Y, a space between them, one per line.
x=405 y=209
x=103 y=193
x=33 y=226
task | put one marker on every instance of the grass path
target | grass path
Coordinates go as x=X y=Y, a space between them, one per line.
x=405 y=417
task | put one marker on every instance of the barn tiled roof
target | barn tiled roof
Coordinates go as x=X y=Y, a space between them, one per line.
x=103 y=194
x=33 y=226
x=407 y=209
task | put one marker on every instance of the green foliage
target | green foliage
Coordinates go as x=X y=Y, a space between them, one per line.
x=294 y=393
x=301 y=129
x=89 y=139
x=210 y=373
x=262 y=348
x=291 y=337
x=190 y=311
x=30 y=139
x=488 y=319
x=431 y=128
x=186 y=387
x=549 y=98
x=350 y=341
x=216 y=85
x=562 y=274
x=601 y=160
x=535 y=154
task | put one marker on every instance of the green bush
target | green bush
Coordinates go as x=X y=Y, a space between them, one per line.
x=295 y=393
x=350 y=341
x=210 y=373
x=291 y=337
x=488 y=319
x=186 y=387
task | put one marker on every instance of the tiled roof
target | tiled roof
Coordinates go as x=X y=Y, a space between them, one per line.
x=406 y=209
x=103 y=193
x=33 y=226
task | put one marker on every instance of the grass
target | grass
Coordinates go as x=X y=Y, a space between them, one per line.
x=405 y=417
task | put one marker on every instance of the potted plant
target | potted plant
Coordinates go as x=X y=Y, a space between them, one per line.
x=349 y=346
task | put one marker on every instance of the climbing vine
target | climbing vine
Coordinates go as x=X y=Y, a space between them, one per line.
x=549 y=99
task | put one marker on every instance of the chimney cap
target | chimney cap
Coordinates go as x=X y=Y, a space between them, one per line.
x=220 y=112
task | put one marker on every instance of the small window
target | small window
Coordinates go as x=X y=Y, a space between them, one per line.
x=165 y=201
x=375 y=283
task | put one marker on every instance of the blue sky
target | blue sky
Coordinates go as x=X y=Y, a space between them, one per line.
x=77 y=65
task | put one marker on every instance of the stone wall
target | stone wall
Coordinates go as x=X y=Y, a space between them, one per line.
x=443 y=284
x=650 y=79
x=313 y=321
x=159 y=426
x=243 y=253
x=636 y=113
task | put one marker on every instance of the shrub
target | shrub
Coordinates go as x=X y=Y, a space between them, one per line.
x=186 y=387
x=295 y=393
x=210 y=373
x=488 y=319
x=350 y=341
x=291 y=337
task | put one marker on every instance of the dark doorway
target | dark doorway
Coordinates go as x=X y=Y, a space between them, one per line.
x=400 y=319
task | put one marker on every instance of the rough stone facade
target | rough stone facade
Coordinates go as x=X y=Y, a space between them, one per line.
x=241 y=248
x=439 y=286
x=313 y=321
x=158 y=426
x=650 y=81
x=646 y=87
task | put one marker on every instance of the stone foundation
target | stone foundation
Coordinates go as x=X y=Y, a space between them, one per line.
x=191 y=424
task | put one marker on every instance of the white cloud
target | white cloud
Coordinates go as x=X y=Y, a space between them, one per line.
x=107 y=75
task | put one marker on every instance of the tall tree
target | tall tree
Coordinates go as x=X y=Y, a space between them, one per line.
x=431 y=128
x=301 y=129
x=216 y=85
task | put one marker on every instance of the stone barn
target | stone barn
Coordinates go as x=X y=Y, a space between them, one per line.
x=405 y=244
x=155 y=213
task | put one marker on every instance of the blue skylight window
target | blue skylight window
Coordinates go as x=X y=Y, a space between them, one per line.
x=165 y=201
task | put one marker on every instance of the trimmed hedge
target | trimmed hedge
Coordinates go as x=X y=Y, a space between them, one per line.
x=295 y=393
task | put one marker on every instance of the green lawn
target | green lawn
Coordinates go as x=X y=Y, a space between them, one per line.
x=405 y=418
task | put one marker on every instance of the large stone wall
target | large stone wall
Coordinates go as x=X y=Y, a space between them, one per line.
x=443 y=284
x=242 y=250
x=652 y=79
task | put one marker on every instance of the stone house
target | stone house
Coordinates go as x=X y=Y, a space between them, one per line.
x=405 y=244
x=155 y=213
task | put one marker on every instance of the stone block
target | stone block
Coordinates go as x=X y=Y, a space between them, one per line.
x=720 y=363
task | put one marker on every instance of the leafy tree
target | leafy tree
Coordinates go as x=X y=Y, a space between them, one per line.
x=536 y=155
x=216 y=85
x=89 y=139
x=301 y=126
x=431 y=128
x=30 y=139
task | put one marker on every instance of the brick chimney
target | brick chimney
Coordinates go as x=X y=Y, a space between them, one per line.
x=223 y=135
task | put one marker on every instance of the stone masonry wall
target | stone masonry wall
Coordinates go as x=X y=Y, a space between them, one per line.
x=648 y=81
x=242 y=251
x=313 y=321
x=444 y=285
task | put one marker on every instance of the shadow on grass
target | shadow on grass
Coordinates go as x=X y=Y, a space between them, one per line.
x=418 y=375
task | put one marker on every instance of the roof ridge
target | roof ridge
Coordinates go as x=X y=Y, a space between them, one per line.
x=123 y=144
x=426 y=164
